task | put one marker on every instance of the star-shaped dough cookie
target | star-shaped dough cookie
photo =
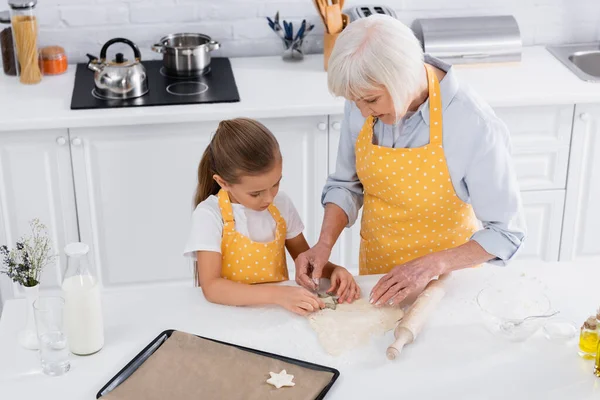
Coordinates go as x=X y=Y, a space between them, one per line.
x=281 y=379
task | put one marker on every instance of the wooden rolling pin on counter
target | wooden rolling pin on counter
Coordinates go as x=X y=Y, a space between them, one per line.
x=412 y=323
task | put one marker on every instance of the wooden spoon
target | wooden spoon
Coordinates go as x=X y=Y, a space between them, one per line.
x=334 y=19
x=320 y=11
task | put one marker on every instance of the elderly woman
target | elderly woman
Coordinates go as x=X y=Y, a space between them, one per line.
x=427 y=158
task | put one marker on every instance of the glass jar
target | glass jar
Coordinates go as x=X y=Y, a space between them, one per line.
x=9 y=63
x=25 y=36
x=54 y=60
x=83 y=306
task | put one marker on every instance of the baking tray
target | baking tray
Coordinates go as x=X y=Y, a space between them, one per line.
x=154 y=345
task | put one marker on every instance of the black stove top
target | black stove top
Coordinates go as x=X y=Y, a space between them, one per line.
x=216 y=86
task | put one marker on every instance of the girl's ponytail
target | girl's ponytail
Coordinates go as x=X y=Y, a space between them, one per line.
x=207 y=186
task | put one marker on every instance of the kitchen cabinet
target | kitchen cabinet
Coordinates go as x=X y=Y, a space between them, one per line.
x=36 y=181
x=135 y=188
x=580 y=237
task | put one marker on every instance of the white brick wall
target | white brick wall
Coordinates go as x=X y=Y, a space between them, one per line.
x=82 y=26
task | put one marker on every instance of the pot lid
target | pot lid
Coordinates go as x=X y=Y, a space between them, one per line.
x=5 y=17
x=22 y=4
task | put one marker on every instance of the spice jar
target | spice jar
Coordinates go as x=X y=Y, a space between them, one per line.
x=54 y=60
x=25 y=32
x=9 y=63
x=588 y=339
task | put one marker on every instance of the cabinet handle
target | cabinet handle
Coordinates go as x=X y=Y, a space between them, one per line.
x=584 y=117
x=76 y=142
x=61 y=141
x=322 y=126
x=336 y=125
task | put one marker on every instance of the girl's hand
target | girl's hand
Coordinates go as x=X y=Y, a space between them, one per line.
x=298 y=300
x=344 y=285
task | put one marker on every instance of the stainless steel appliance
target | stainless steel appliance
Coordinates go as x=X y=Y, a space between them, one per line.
x=469 y=40
x=368 y=10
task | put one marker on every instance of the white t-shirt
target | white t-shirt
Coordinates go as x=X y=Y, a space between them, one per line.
x=207 y=224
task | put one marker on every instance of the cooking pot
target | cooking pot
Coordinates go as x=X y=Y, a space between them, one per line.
x=186 y=54
x=119 y=78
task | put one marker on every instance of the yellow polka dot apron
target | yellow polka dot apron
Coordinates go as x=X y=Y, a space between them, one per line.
x=247 y=261
x=410 y=206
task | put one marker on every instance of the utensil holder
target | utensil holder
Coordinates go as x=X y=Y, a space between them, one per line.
x=329 y=40
x=293 y=50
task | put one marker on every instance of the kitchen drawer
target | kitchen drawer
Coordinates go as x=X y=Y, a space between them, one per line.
x=540 y=138
x=543 y=127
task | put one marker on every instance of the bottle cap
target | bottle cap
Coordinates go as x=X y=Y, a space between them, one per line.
x=77 y=249
x=590 y=323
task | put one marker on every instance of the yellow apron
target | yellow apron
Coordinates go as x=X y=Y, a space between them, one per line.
x=410 y=207
x=244 y=260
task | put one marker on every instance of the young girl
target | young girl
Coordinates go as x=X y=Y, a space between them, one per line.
x=242 y=225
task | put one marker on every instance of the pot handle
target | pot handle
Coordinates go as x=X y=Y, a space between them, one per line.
x=213 y=45
x=136 y=50
x=158 y=48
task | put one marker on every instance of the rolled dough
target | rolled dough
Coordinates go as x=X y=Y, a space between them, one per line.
x=351 y=325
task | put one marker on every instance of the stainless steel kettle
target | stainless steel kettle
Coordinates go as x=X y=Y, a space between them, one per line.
x=119 y=78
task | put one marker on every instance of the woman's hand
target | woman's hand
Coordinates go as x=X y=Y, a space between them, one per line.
x=344 y=285
x=405 y=279
x=310 y=264
x=297 y=300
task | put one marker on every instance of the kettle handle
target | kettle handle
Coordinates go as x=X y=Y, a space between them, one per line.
x=136 y=50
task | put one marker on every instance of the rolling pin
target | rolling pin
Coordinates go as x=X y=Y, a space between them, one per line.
x=410 y=326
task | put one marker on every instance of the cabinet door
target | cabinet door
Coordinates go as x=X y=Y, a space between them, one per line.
x=36 y=181
x=543 y=215
x=135 y=188
x=540 y=139
x=580 y=236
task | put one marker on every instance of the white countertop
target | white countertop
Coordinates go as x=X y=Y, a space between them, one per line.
x=453 y=358
x=269 y=87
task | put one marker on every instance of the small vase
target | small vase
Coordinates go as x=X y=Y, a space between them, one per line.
x=293 y=50
x=28 y=336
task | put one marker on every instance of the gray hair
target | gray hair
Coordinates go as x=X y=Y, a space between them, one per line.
x=373 y=52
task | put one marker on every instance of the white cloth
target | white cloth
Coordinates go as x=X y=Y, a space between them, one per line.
x=259 y=226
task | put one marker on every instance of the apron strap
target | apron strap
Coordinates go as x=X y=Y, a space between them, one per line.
x=226 y=211
x=435 y=107
x=275 y=214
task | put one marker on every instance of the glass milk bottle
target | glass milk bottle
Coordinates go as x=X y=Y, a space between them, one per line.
x=83 y=308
